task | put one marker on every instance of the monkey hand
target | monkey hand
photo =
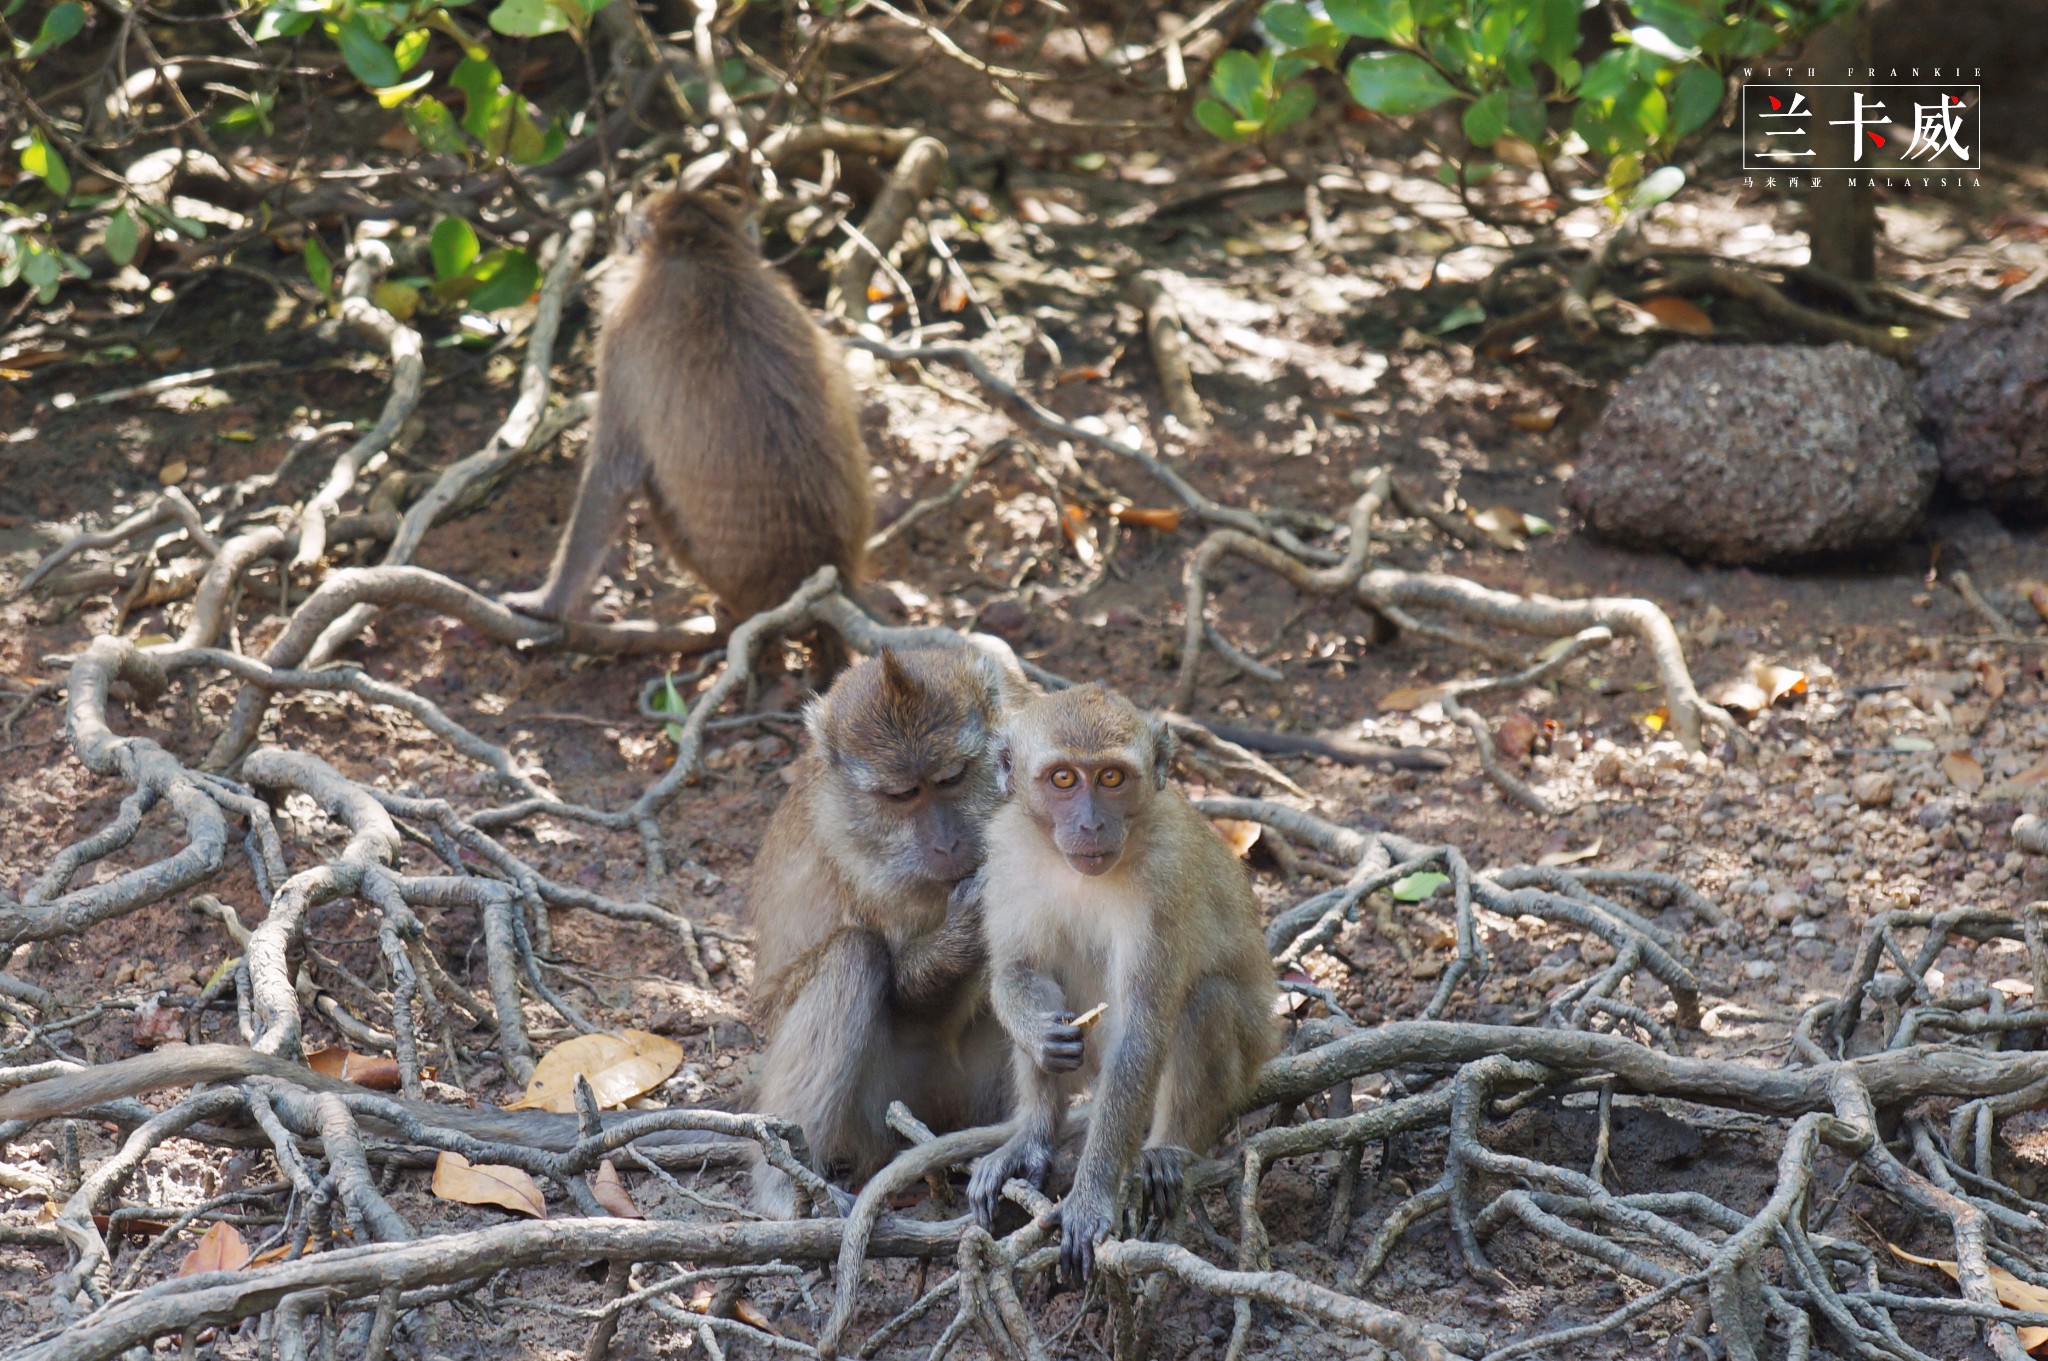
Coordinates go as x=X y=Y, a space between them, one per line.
x=964 y=906
x=1084 y=1222
x=1055 y=1044
x=1160 y=1170
x=1025 y=1155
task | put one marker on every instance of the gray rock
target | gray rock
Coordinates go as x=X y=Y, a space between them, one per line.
x=1984 y=385
x=1757 y=454
x=1874 y=788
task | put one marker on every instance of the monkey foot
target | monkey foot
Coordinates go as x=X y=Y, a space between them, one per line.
x=1160 y=1172
x=533 y=604
x=1025 y=1156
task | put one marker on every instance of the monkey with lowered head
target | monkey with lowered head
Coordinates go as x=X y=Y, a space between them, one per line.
x=721 y=400
x=1104 y=885
x=869 y=954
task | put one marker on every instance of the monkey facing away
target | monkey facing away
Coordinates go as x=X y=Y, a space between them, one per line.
x=869 y=962
x=1105 y=885
x=722 y=401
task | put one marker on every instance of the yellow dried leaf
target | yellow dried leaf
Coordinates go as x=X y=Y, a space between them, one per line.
x=1554 y=858
x=400 y=300
x=1410 y=697
x=1656 y=719
x=1536 y=422
x=1962 y=770
x=1237 y=834
x=2012 y=1292
x=611 y=1192
x=152 y=639
x=620 y=1065
x=1165 y=521
x=1503 y=526
x=172 y=473
x=1778 y=681
x=467 y=1183
x=1742 y=695
x=220 y=1248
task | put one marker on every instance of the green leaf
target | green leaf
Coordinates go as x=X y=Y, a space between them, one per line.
x=1527 y=118
x=1560 y=32
x=41 y=159
x=1217 y=120
x=124 y=235
x=436 y=128
x=253 y=114
x=41 y=271
x=1486 y=118
x=369 y=60
x=1391 y=21
x=319 y=268
x=667 y=701
x=1236 y=80
x=1683 y=23
x=63 y=23
x=1659 y=44
x=410 y=47
x=1655 y=187
x=453 y=247
x=283 y=20
x=391 y=96
x=1415 y=887
x=1459 y=317
x=1295 y=103
x=1695 y=99
x=528 y=18
x=1290 y=24
x=504 y=278
x=1397 y=82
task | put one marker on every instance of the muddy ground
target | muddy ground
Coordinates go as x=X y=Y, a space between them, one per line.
x=1312 y=364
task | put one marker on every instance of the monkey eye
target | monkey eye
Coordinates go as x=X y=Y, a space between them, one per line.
x=947 y=781
x=1064 y=778
x=898 y=795
x=1110 y=779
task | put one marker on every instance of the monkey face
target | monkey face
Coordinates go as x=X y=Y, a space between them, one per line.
x=1088 y=807
x=906 y=741
x=1084 y=763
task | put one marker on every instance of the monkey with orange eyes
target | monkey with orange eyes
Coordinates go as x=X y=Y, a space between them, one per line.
x=1104 y=885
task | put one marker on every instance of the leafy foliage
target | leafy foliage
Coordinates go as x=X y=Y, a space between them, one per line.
x=1526 y=70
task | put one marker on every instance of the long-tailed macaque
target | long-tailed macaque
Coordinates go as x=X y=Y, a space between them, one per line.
x=869 y=962
x=1104 y=885
x=722 y=401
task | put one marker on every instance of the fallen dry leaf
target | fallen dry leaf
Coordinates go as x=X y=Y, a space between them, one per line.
x=1517 y=735
x=1764 y=686
x=1677 y=314
x=2012 y=1292
x=1587 y=852
x=172 y=473
x=1991 y=679
x=2036 y=594
x=1538 y=421
x=1165 y=521
x=2021 y=784
x=610 y=1192
x=1962 y=770
x=220 y=1248
x=374 y=1071
x=1079 y=530
x=1506 y=527
x=508 y=1188
x=620 y=1065
x=1237 y=834
x=1656 y=718
x=1410 y=697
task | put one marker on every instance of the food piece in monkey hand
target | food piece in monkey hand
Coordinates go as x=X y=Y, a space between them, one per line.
x=721 y=402
x=1105 y=886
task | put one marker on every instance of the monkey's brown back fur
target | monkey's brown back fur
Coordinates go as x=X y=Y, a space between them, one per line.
x=755 y=460
x=722 y=401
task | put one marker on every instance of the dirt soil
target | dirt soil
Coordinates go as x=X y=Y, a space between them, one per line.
x=1312 y=364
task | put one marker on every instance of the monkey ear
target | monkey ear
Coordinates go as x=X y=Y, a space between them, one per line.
x=1163 y=747
x=814 y=724
x=1005 y=766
